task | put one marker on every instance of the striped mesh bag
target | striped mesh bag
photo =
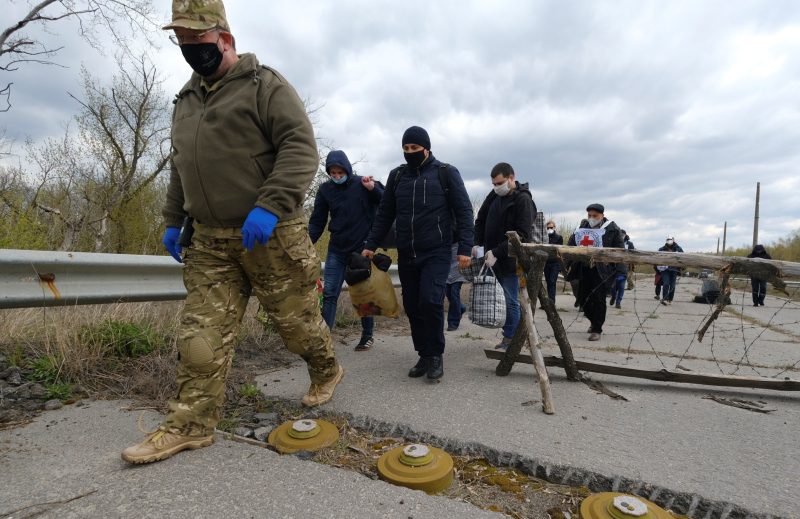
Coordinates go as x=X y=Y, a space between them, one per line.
x=487 y=302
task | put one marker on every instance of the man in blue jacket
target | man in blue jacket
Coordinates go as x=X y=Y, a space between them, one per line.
x=351 y=201
x=429 y=205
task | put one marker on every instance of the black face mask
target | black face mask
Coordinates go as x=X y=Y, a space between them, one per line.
x=415 y=159
x=204 y=58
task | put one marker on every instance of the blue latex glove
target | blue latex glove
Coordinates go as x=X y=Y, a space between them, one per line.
x=258 y=227
x=620 y=277
x=170 y=241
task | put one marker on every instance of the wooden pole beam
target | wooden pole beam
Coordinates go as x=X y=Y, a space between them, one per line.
x=770 y=270
x=664 y=375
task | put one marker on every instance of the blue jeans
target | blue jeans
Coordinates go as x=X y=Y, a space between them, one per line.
x=668 y=280
x=618 y=288
x=510 y=284
x=335 y=264
x=551 y=271
x=455 y=307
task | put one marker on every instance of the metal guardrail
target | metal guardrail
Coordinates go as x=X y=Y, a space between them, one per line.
x=30 y=278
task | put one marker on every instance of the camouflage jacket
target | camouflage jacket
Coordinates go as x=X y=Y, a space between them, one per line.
x=244 y=141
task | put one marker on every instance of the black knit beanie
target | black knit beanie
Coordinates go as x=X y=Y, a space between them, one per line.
x=417 y=135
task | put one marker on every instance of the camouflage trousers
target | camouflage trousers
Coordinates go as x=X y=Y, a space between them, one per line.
x=219 y=276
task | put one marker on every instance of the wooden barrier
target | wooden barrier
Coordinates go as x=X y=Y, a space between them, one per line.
x=532 y=258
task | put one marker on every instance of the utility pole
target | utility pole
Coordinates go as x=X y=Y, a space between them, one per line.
x=717 y=245
x=755 y=220
x=724 y=237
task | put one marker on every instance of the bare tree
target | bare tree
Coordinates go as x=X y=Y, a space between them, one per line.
x=19 y=44
x=125 y=128
x=86 y=184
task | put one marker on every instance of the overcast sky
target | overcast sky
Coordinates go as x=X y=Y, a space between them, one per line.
x=668 y=113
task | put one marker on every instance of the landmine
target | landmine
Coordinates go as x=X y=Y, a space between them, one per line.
x=303 y=435
x=613 y=505
x=417 y=466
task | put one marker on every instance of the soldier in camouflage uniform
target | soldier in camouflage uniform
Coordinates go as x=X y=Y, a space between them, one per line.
x=243 y=156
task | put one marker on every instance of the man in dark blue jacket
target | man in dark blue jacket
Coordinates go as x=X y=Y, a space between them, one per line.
x=351 y=201
x=426 y=199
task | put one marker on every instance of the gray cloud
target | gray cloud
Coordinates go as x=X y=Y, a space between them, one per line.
x=668 y=113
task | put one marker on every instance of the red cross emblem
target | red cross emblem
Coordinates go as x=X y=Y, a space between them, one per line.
x=586 y=241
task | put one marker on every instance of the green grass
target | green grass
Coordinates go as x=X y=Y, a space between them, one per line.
x=347 y=320
x=45 y=369
x=249 y=390
x=16 y=357
x=122 y=339
x=470 y=336
x=59 y=391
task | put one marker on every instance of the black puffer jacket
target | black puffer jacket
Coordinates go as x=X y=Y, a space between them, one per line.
x=500 y=214
x=554 y=239
x=613 y=238
x=759 y=252
x=672 y=248
x=423 y=212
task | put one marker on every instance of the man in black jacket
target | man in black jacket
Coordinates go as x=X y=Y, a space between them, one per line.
x=426 y=199
x=595 y=231
x=553 y=265
x=759 y=285
x=351 y=202
x=509 y=207
x=669 y=275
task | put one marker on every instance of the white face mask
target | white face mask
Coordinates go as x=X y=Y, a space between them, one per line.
x=550 y=231
x=502 y=189
x=670 y=242
x=594 y=222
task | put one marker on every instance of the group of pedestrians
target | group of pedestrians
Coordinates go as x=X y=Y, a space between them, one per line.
x=243 y=157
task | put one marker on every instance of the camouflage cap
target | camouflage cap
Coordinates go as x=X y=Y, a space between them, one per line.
x=198 y=14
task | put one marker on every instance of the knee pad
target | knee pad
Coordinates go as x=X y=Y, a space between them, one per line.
x=201 y=351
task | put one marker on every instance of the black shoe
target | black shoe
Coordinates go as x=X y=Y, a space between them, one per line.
x=452 y=328
x=364 y=344
x=420 y=368
x=435 y=368
x=617 y=305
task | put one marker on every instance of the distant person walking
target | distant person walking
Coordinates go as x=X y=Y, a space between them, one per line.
x=453 y=292
x=669 y=275
x=620 y=278
x=553 y=265
x=759 y=286
x=631 y=266
x=657 y=283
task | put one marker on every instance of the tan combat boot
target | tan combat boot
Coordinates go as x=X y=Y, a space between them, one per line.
x=160 y=445
x=319 y=394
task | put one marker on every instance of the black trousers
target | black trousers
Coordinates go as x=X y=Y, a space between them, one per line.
x=759 y=290
x=593 y=294
x=551 y=271
x=423 y=279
